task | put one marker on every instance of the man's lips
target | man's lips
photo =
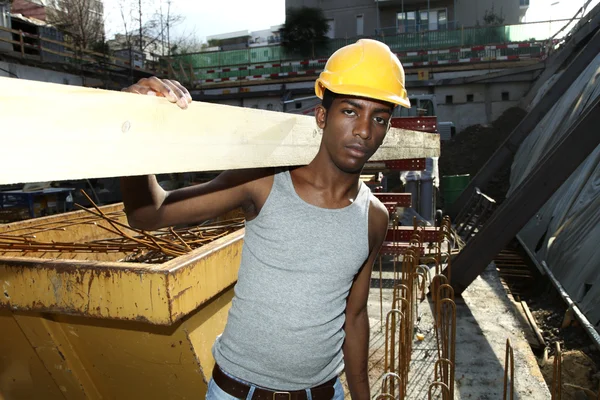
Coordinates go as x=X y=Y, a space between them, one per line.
x=357 y=150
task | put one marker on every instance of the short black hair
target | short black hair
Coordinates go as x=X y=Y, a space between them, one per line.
x=328 y=98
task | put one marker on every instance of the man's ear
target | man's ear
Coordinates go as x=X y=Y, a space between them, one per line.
x=321 y=116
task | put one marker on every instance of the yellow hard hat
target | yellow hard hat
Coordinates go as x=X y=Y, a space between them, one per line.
x=366 y=68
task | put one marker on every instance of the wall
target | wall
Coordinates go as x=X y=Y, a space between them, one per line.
x=468 y=12
x=29 y=9
x=472 y=12
x=45 y=75
x=5 y=23
x=344 y=13
x=264 y=103
x=486 y=106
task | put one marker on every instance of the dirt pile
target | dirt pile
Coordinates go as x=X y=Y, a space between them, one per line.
x=470 y=149
x=580 y=358
x=578 y=371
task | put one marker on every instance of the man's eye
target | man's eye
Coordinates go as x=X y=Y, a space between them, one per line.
x=349 y=112
x=381 y=121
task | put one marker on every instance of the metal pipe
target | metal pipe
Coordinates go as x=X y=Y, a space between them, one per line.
x=589 y=328
x=428 y=15
x=300 y=99
x=377 y=11
x=454 y=15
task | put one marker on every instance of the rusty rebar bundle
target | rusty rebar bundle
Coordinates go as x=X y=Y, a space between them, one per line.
x=147 y=247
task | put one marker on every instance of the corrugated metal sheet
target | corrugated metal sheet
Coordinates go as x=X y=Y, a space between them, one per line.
x=565 y=233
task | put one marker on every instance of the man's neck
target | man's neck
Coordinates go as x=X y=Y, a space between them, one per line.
x=325 y=176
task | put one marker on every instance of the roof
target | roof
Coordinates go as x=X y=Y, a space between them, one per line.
x=30 y=20
x=230 y=35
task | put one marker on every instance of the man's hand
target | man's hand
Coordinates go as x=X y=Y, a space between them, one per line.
x=169 y=89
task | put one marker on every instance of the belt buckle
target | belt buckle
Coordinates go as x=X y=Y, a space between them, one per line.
x=288 y=394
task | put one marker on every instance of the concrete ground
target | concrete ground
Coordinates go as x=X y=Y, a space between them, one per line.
x=485 y=318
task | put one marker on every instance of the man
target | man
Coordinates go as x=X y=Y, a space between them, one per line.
x=299 y=315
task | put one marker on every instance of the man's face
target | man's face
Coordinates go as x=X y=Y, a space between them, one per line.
x=353 y=129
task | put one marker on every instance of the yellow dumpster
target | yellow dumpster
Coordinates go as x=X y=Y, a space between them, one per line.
x=85 y=325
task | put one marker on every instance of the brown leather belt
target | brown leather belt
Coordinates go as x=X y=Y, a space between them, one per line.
x=240 y=390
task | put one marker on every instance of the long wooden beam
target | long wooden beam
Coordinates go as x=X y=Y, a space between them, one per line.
x=53 y=132
x=551 y=171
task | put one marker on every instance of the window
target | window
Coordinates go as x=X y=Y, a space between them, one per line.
x=359 y=25
x=505 y=96
x=524 y=3
x=406 y=22
x=470 y=98
x=422 y=20
x=449 y=99
x=442 y=20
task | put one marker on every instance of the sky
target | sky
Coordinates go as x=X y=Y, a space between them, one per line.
x=546 y=10
x=208 y=17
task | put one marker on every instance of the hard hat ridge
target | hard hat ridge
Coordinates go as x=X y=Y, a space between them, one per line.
x=367 y=68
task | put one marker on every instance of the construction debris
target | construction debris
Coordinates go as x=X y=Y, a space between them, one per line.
x=144 y=247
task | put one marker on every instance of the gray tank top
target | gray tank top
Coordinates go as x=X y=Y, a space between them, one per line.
x=284 y=329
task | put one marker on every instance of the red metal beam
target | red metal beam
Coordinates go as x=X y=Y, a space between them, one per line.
x=405 y=234
x=401 y=199
x=396 y=249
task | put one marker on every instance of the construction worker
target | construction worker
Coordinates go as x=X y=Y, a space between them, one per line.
x=299 y=314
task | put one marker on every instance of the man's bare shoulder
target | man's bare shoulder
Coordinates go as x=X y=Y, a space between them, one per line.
x=378 y=221
x=377 y=212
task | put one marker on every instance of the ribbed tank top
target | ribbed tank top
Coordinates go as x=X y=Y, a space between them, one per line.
x=284 y=329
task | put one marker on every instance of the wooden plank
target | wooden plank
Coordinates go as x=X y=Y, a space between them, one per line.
x=533 y=324
x=60 y=132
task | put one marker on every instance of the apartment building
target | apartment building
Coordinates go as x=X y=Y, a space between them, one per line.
x=352 y=18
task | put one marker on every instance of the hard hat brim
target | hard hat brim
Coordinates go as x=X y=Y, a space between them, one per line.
x=400 y=99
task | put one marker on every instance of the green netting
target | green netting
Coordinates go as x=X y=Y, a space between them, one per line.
x=466 y=37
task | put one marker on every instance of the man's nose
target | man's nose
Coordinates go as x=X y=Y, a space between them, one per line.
x=362 y=128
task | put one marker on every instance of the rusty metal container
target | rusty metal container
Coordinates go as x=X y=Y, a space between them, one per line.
x=86 y=326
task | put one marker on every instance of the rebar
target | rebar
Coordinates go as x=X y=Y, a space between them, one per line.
x=444 y=366
x=557 y=374
x=444 y=388
x=445 y=324
x=509 y=365
x=405 y=343
x=148 y=247
x=389 y=364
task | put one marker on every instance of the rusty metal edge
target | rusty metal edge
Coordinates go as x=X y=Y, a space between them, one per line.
x=178 y=302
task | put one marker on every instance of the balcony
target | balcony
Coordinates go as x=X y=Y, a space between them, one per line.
x=386 y=3
x=506 y=42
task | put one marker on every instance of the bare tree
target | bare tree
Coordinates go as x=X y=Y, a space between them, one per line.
x=151 y=26
x=82 y=20
x=187 y=43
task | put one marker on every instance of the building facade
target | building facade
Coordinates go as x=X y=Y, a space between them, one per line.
x=153 y=48
x=355 y=18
